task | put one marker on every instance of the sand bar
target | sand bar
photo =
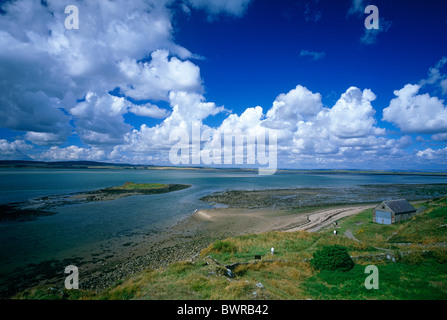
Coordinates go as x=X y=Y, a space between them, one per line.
x=242 y=221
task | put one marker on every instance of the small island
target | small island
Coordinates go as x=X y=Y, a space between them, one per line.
x=129 y=189
x=23 y=211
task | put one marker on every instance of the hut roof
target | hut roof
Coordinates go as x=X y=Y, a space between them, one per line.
x=400 y=206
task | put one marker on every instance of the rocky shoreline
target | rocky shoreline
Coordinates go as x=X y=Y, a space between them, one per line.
x=110 y=273
x=329 y=196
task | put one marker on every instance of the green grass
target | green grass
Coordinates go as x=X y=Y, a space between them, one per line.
x=403 y=281
x=419 y=271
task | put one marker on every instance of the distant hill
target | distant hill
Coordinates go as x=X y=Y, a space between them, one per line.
x=63 y=164
x=107 y=165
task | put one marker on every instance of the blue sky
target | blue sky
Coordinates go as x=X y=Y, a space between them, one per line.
x=252 y=59
x=340 y=96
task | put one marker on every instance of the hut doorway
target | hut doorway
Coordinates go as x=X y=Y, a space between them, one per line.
x=383 y=217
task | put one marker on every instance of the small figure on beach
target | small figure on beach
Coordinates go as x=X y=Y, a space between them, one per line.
x=195 y=211
x=272 y=250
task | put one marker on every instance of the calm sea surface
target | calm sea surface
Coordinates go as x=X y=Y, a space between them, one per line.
x=91 y=228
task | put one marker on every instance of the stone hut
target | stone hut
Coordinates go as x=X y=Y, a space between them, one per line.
x=392 y=211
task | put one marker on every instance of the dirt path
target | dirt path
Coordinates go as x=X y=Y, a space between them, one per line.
x=322 y=218
x=348 y=233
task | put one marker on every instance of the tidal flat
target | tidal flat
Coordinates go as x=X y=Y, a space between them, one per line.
x=309 y=197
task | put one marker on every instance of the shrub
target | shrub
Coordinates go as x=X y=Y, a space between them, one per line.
x=332 y=258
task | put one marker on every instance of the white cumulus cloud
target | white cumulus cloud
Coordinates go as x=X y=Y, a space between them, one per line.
x=155 y=79
x=71 y=153
x=188 y=110
x=416 y=113
x=14 y=150
x=149 y=110
x=119 y=44
x=430 y=154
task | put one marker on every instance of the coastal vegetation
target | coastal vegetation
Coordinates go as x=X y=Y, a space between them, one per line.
x=411 y=258
x=129 y=189
x=139 y=186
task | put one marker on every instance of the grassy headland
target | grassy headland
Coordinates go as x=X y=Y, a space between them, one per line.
x=411 y=257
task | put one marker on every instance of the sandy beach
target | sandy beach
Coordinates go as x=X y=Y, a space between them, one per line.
x=244 y=221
